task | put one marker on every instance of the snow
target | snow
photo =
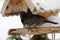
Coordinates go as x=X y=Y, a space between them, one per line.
x=48 y=4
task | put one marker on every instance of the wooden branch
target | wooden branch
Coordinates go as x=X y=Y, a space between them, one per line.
x=35 y=31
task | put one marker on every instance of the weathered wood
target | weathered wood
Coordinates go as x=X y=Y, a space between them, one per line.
x=53 y=36
x=4 y=7
x=18 y=31
x=13 y=7
x=35 y=31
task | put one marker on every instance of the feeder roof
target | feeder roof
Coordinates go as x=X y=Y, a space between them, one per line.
x=13 y=7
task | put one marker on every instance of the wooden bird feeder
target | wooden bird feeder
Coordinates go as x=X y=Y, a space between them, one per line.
x=13 y=7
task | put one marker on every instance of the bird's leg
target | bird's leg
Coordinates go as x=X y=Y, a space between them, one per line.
x=29 y=28
x=24 y=27
x=34 y=26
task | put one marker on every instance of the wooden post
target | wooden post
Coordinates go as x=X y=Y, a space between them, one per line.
x=53 y=36
x=28 y=36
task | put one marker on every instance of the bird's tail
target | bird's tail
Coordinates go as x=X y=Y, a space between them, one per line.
x=51 y=22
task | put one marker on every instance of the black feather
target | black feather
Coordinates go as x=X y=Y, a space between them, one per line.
x=30 y=19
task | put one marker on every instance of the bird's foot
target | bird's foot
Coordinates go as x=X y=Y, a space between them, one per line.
x=30 y=28
x=35 y=27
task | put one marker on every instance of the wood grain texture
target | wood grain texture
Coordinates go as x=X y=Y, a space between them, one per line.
x=34 y=31
x=15 y=6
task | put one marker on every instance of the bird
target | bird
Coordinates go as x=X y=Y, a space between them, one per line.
x=29 y=19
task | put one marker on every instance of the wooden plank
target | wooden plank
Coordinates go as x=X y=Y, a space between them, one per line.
x=13 y=7
x=40 y=30
x=4 y=7
x=18 y=31
x=53 y=36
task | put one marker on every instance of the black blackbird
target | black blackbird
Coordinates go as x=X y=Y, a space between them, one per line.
x=32 y=20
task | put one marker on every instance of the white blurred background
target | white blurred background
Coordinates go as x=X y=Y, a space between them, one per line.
x=7 y=23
